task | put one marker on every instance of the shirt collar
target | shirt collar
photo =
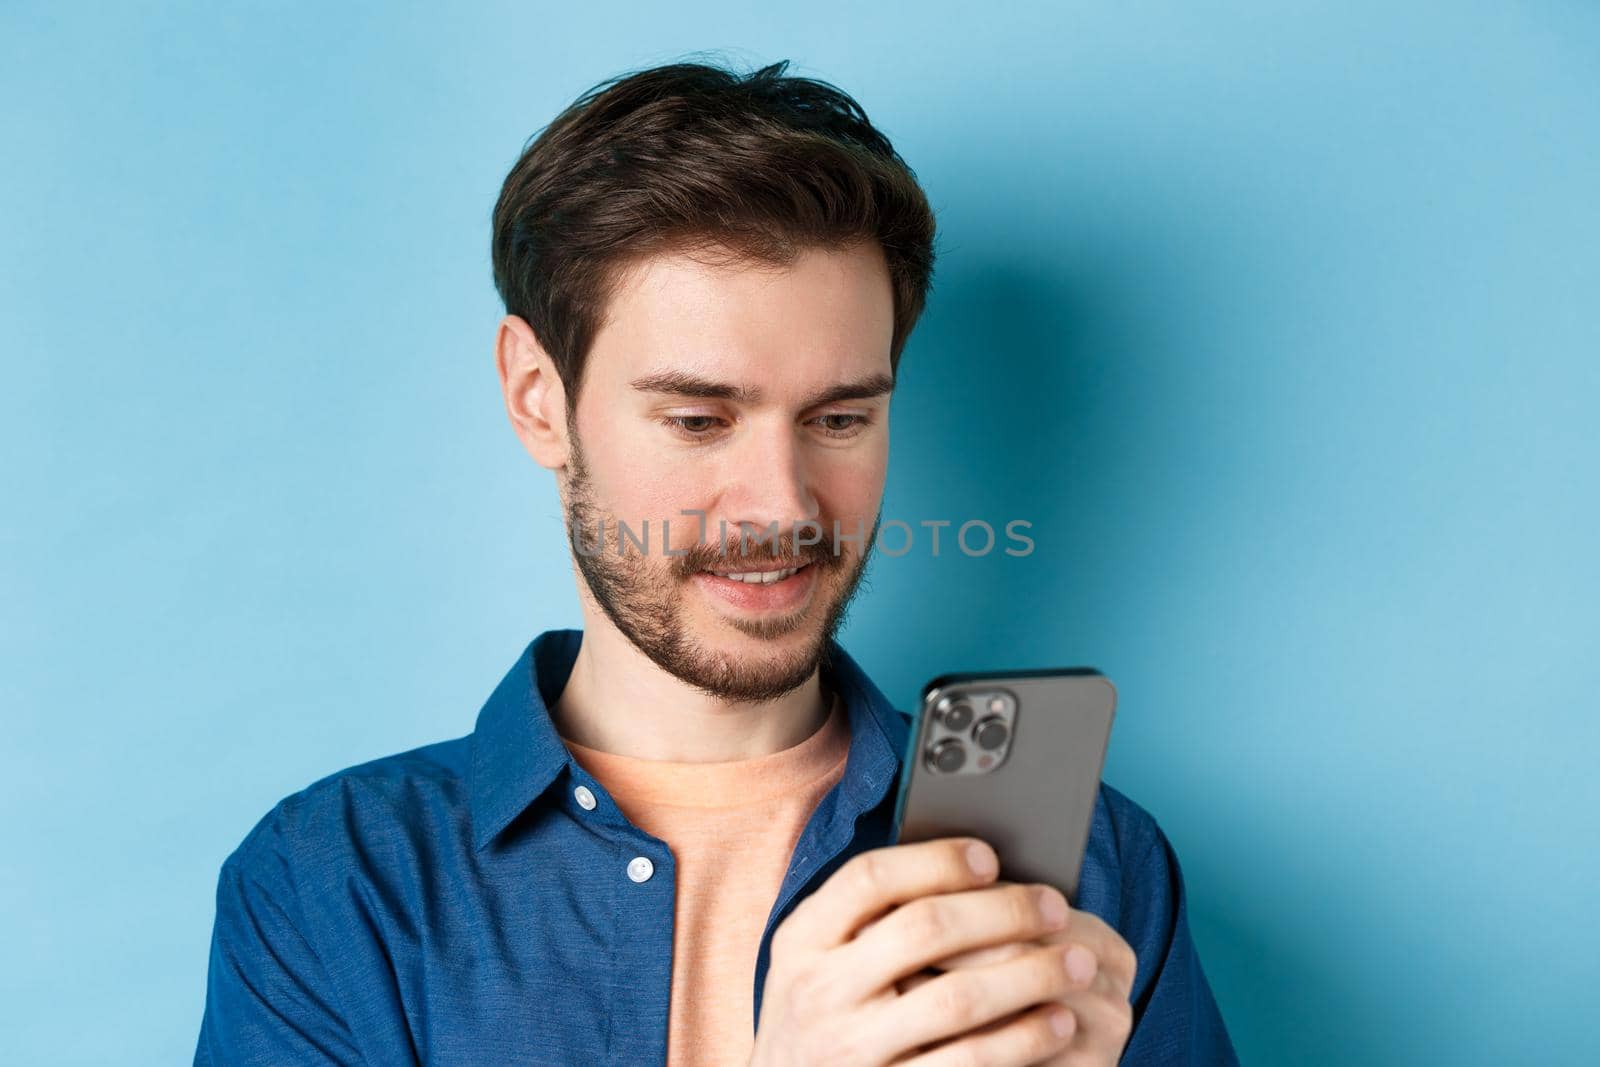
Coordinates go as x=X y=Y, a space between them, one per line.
x=517 y=753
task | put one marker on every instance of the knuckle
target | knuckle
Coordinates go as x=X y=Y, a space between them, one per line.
x=1008 y=951
x=1048 y=973
x=1041 y=1041
x=924 y=923
x=870 y=873
x=954 y=857
x=805 y=990
x=1024 y=902
x=955 y=1000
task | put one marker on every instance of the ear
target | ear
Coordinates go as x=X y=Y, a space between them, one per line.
x=536 y=400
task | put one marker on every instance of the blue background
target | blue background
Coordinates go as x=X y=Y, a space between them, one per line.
x=1278 y=321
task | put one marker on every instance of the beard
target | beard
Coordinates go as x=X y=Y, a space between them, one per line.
x=646 y=601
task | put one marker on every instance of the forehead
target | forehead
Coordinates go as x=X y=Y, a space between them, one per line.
x=826 y=314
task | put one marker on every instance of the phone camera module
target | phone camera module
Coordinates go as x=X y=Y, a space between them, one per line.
x=957 y=715
x=948 y=756
x=991 y=733
x=969 y=731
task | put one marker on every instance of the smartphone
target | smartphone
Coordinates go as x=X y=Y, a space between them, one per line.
x=1013 y=757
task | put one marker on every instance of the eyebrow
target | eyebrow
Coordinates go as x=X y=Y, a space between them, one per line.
x=682 y=383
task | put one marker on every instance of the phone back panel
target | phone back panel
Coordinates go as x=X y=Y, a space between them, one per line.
x=1034 y=806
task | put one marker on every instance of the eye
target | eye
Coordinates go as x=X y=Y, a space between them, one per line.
x=842 y=424
x=693 y=425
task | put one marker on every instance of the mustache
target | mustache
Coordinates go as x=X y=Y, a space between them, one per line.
x=786 y=552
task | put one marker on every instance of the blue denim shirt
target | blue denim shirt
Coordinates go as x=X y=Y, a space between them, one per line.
x=457 y=904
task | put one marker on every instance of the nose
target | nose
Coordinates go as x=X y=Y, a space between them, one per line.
x=770 y=484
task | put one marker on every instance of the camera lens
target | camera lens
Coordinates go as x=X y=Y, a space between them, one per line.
x=948 y=756
x=991 y=733
x=957 y=715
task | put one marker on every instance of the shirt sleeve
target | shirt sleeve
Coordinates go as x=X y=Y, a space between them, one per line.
x=1176 y=1020
x=268 y=998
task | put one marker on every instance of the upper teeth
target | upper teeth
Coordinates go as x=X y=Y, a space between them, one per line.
x=759 y=577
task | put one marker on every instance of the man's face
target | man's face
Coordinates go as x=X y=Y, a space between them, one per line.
x=757 y=396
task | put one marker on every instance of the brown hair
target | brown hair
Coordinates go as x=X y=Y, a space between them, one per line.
x=690 y=156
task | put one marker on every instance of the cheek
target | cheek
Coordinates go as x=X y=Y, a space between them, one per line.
x=852 y=486
x=664 y=490
x=638 y=479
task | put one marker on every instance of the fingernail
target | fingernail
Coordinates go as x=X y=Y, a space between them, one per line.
x=1062 y=1022
x=982 y=860
x=1080 y=963
x=1052 y=908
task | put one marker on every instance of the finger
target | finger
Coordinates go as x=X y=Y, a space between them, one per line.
x=877 y=880
x=1100 y=1020
x=1082 y=965
x=933 y=928
x=994 y=883
x=911 y=981
x=1104 y=1014
x=1030 y=1037
x=1112 y=952
x=987 y=954
x=960 y=1001
x=979 y=957
x=982 y=957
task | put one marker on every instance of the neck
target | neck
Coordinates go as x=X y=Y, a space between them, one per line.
x=618 y=700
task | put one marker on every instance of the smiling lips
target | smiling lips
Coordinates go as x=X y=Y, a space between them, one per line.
x=761 y=576
x=760 y=589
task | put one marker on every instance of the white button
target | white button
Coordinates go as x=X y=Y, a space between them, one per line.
x=640 y=868
x=585 y=797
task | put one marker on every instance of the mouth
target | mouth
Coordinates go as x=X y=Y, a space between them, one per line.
x=747 y=587
x=757 y=575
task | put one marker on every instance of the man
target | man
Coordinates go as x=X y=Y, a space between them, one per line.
x=709 y=280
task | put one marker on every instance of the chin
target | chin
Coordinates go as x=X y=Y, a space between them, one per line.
x=774 y=633
x=751 y=631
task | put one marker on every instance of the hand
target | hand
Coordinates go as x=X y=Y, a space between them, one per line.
x=1102 y=1007
x=833 y=995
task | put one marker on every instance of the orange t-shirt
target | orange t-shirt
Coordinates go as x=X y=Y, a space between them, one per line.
x=732 y=828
